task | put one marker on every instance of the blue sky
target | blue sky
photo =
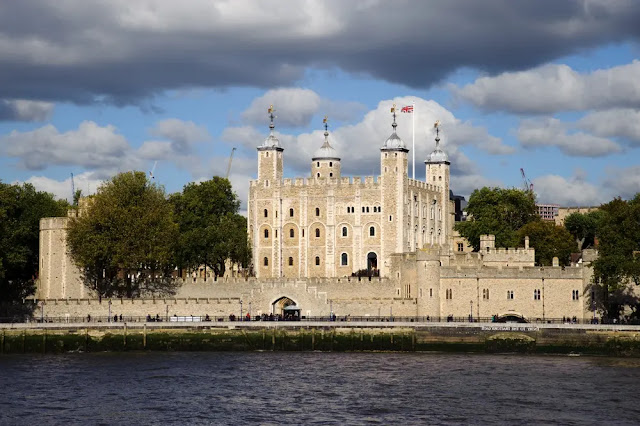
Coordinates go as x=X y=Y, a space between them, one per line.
x=95 y=88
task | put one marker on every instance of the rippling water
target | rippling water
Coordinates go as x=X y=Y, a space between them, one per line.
x=316 y=388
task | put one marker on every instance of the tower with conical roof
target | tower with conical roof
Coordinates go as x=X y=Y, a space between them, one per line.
x=437 y=174
x=325 y=162
x=270 y=158
x=264 y=210
x=394 y=165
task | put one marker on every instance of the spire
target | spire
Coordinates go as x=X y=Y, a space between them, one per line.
x=271 y=141
x=326 y=151
x=438 y=155
x=393 y=111
x=394 y=142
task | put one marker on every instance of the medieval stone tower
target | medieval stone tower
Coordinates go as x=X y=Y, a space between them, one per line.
x=327 y=225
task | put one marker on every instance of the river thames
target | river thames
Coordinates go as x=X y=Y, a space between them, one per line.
x=316 y=388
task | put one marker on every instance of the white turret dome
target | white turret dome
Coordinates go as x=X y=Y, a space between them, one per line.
x=438 y=155
x=326 y=151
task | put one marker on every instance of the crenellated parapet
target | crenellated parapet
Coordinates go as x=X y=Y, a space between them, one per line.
x=515 y=273
x=418 y=184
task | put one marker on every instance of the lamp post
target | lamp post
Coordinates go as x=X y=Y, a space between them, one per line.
x=330 y=310
x=109 y=317
x=167 y=313
x=42 y=311
x=250 y=310
x=241 y=310
x=471 y=306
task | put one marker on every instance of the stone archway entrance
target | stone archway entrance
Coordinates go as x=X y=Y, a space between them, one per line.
x=284 y=306
x=372 y=263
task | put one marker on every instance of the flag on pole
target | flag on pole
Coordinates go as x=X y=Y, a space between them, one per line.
x=408 y=109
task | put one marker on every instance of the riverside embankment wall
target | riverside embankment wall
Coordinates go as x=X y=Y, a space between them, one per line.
x=322 y=336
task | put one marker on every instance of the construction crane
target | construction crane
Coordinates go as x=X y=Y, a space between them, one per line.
x=155 y=163
x=528 y=185
x=229 y=165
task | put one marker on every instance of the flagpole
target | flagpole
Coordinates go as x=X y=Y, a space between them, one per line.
x=413 y=147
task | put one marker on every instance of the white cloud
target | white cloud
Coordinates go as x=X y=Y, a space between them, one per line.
x=534 y=133
x=86 y=182
x=91 y=146
x=616 y=123
x=573 y=191
x=296 y=107
x=465 y=184
x=182 y=134
x=552 y=88
x=623 y=182
x=25 y=110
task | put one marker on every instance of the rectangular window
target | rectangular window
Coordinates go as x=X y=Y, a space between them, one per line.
x=510 y=294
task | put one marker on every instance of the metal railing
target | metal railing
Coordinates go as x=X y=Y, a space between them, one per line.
x=326 y=318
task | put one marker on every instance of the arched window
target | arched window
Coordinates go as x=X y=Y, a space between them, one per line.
x=266 y=261
x=318 y=174
x=266 y=233
x=290 y=212
x=317 y=260
x=318 y=164
x=317 y=211
x=345 y=259
x=266 y=213
x=330 y=163
x=291 y=233
x=330 y=174
x=291 y=261
x=372 y=231
x=344 y=231
x=317 y=232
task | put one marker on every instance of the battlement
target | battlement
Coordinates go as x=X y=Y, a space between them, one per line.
x=511 y=272
x=54 y=223
x=313 y=182
x=424 y=185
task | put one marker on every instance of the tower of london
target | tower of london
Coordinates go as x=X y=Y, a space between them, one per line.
x=326 y=225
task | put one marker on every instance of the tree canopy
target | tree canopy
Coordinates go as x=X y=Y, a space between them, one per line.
x=124 y=242
x=549 y=241
x=211 y=230
x=497 y=211
x=21 y=208
x=583 y=227
x=617 y=268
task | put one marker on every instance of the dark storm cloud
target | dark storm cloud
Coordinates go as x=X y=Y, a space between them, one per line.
x=124 y=52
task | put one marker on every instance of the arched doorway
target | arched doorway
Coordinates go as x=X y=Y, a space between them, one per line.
x=372 y=263
x=284 y=306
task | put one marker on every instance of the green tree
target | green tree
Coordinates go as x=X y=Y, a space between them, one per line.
x=211 y=230
x=497 y=211
x=21 y=208
x=617 y=268
x=124 y=241
x=549 y=240
x=583 y=227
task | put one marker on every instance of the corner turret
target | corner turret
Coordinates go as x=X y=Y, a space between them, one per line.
x=270 y=157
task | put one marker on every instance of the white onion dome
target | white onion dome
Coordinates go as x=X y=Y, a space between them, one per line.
x=393 y=142
x=326 y=151
x=271 y=141
x=438 y=155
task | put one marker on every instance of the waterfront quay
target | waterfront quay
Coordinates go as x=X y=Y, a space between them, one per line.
x=330 y=336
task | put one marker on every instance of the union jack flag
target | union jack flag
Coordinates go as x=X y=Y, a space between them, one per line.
x=408 y=108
